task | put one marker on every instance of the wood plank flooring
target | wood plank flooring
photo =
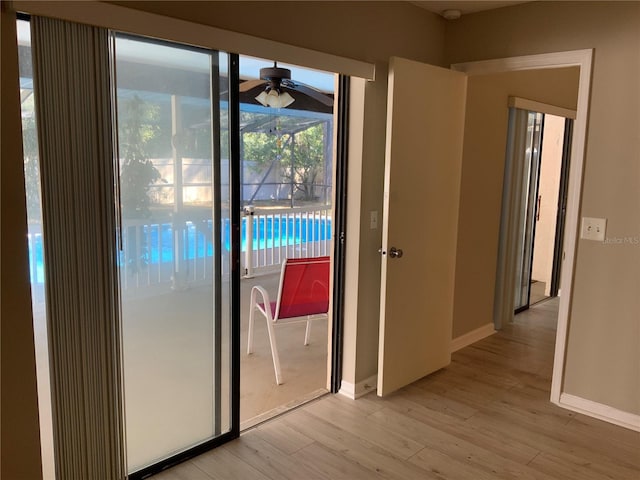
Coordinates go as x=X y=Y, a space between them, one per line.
x=486 y=416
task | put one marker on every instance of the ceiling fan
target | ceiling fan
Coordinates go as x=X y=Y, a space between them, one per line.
x=277 y=81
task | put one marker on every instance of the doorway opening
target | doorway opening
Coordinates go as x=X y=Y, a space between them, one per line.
x=287 y=171
x=502 y=301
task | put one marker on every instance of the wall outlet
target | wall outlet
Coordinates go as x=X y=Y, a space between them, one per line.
x=593 y=228
x=374 y=220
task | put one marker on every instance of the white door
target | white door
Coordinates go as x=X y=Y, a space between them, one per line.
x=425 y=125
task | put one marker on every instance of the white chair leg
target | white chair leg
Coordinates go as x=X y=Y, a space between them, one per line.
x=307 y=333
x=252 y=313
x=274 y=351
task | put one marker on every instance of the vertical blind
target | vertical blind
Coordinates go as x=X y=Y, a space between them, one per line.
x=73 y=112
x=512 y=219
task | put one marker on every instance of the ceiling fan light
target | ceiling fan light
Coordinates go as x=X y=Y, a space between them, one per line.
x=263 y=98
x=284 y=99
x=272 y=97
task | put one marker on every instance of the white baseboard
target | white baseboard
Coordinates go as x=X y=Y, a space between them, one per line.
x=472 y=337
x=600 y=411
x=359 y=389
x=352 y=391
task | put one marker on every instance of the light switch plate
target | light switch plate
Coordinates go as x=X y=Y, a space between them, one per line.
x=374 y=220
x=593 y=228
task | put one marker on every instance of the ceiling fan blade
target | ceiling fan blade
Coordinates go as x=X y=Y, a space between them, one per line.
x=311 y=92
x=249 y=84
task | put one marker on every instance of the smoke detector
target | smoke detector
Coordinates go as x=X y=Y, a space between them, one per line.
x=452 y=14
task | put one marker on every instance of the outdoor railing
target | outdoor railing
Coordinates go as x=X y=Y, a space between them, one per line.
x=159 y=253
x=272 y=235
x=179 y=253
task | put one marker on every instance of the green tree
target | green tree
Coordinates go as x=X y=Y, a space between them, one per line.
x=299 y=155
x=308 y=160
x=264 y=148
x=137 y=128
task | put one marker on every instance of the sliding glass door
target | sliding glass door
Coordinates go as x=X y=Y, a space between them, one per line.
x=175 y=263
x=527 y=205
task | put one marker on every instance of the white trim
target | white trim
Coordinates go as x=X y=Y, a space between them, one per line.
x=138 y=22
x=582 y=59
x=534 y=106
x=529 y=62
x=472 y=337
x=353 y=392
x=600 y=411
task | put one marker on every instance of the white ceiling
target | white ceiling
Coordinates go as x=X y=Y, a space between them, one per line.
x=464 y=6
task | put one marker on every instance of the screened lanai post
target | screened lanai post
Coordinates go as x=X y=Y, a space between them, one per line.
x=293 y=168
x=327 y=130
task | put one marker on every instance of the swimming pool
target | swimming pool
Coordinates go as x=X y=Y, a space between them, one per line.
x=159 y=243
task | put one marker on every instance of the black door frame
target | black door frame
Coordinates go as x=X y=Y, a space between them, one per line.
x=558 y=252
x=340 y=232
x=235 y=239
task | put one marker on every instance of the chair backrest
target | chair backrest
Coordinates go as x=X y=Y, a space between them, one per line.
x=304 y=287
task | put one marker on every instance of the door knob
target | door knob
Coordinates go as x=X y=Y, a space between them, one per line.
x=395 y=252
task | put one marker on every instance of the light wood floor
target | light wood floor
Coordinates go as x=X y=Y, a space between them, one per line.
x=537 y=292
x=486 y=416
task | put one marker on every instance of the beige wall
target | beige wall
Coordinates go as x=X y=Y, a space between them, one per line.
x=603 y=353
x=365 y=195
x=483 y=158
x=368 y=31
x=371 y=240
x=20 y=435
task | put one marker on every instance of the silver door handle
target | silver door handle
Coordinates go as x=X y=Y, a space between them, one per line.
x=395 y=252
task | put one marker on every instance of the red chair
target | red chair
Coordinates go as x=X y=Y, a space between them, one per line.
x=303 y=296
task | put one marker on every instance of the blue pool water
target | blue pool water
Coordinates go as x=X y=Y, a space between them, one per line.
x=155 y=242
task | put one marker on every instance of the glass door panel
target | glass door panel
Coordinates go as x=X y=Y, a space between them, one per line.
x=174 y=263
x=527 y=206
